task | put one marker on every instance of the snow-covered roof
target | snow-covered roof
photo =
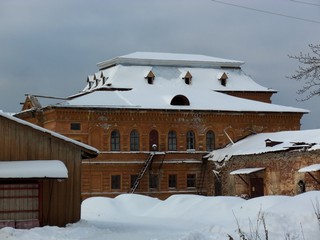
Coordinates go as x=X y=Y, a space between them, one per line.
x=133 y=76
x=246 y=170
x=122 y=84
x=256 y=144
x=151 y=99
x=311 y=168
x=33 y=169
x=169 y=59
x=52 y=133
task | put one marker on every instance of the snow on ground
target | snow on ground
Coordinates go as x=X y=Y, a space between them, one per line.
x=187 y=217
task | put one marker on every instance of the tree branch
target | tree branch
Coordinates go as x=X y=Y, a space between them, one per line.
x=308 y=71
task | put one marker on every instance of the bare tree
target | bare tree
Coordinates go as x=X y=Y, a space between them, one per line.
x=308 y=71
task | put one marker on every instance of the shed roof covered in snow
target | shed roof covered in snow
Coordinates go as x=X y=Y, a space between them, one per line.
x=125 y=82
x=246 y=170
x=310 y=168
x=259 y=143
x=33 y=169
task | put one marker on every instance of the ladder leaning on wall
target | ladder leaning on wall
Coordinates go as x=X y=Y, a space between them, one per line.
x=202 y=176
x=142 y=172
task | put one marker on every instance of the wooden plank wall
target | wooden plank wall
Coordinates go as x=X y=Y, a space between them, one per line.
x=61 y=201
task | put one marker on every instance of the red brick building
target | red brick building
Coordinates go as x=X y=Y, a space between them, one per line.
x=153 y=116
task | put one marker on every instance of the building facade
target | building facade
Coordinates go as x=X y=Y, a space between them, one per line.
x=280 y=163
x=154 y=116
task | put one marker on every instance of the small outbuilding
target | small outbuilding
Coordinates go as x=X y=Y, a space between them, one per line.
x=40 y=175
x=279 y=163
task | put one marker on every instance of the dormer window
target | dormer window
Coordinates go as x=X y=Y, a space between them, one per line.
x=89 y=81
x=187 y=78
x=104 y=78
x=223 y=79
x=96 y=79
x=150 y=77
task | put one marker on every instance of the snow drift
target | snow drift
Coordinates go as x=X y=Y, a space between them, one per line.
x=187 y=217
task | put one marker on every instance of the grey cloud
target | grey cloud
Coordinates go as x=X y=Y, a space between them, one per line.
x=49 y=47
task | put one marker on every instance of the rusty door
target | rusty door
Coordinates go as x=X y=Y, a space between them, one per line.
x=256 y=187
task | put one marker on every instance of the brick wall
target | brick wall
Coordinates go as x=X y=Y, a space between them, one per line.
x=280 y=176
x=96 y=125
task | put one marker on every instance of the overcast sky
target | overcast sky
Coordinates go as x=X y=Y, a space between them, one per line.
x=50 y=47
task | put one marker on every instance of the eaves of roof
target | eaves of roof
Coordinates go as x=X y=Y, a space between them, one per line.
x=127 y=60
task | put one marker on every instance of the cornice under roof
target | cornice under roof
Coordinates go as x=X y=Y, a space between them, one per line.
x=169 y=59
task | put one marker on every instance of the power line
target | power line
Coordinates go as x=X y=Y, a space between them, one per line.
x=306 y=3
x=266 y=12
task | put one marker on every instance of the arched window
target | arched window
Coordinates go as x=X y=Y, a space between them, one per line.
x=190 y=140
x=210 y=141
x=134 y=141
x=153 y=140
x=172 y=141
x=115 y=140
x=180 y=100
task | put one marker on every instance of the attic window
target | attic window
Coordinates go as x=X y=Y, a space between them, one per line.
x=150 y=77
x=180 y=100
x=223 y=79
x=187 y=78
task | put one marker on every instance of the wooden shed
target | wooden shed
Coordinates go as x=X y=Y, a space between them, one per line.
x=40 y=175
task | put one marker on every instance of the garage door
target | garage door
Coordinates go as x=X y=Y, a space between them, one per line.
x=19 y=204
